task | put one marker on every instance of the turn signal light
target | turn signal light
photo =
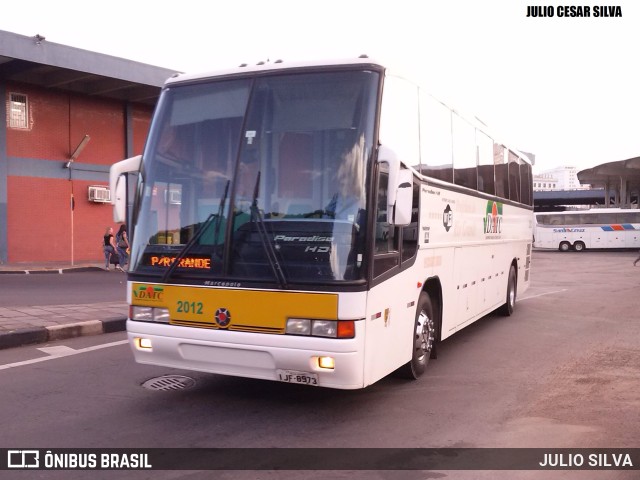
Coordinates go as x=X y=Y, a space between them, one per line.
x=346 y=329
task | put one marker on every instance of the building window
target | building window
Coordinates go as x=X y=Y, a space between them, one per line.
x=18 y=111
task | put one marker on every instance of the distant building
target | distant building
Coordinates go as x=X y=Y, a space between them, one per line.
x=69 y=114
x=544 y=183
x=559 y=178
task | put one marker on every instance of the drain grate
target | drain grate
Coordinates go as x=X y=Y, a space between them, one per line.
x=169 y=382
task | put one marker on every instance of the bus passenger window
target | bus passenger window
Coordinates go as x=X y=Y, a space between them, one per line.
x=514 y=177
x=526 y=185
x=465 y=154
x=435 y=139
x=502 y=179
x=486 y=180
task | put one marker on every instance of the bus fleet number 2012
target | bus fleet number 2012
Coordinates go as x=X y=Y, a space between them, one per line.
x=189 y=307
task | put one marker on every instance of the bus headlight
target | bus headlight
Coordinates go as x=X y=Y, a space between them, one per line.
x=298 y=326
x=324 y=328
x=149 y=314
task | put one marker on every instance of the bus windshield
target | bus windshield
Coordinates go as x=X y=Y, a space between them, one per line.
x=259 y=178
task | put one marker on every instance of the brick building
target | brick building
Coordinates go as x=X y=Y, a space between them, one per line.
x=70 y=114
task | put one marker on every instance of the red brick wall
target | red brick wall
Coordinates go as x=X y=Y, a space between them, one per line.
x=39 y=219
x=104 y=122
x=141 y=122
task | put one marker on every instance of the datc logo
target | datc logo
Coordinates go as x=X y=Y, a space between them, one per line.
x=493 y=217
x=148 y=292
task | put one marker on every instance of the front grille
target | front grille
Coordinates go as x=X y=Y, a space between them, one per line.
x=235 y=328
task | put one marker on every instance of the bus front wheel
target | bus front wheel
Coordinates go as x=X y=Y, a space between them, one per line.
x=423 y=341
x=510 y=304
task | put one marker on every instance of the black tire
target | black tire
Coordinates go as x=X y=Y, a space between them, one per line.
x=424 y=338
x=564 y=246
x=579 y=246
x=510 y=302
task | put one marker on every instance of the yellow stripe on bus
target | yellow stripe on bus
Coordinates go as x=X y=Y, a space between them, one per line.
x=247 y=309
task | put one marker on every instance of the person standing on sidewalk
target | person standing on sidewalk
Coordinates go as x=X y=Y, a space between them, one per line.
x=110 y=249
x=122 y=244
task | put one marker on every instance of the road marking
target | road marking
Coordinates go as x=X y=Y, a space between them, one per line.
x=61 y=352
x=543 y=294
x=58 y=351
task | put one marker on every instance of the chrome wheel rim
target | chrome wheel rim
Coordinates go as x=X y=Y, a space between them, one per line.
x=425 y=336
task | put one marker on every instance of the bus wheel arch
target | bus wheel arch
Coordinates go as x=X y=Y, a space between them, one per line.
x=579 y=246
x=512 y=290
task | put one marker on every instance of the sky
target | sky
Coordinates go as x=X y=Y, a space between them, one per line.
x=564 y=89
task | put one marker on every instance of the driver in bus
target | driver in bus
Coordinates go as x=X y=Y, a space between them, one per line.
x=349 y=200
x=348 y=203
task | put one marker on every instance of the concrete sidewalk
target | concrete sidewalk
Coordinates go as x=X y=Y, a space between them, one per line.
x=40 y=324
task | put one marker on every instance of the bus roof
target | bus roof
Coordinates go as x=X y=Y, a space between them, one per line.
x=362 y=60
x=591 y=210
x=270 y=66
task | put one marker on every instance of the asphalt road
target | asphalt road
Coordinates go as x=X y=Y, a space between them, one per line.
x=561 y=373
x=62 y=289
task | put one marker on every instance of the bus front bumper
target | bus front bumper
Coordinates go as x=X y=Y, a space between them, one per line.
x=251 y=355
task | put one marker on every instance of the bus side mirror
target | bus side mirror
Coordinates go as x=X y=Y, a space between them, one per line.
x=400 y=188
x=118 y=185
x=404 y=199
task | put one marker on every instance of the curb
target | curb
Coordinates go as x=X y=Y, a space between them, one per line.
x=27 y=336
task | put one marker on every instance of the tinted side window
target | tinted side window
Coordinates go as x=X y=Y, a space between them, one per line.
x=486 y=179
x=435 y=139
x=464 y=153
x=501 y=172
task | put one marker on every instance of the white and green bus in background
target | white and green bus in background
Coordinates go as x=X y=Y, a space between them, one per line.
x=318 y=223
x=581 y=229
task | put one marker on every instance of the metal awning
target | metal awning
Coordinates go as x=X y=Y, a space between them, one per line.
x=36 y=61
x=622 y=178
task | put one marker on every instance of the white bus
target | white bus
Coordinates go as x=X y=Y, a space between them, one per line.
x=581 y=229
x=320 y=223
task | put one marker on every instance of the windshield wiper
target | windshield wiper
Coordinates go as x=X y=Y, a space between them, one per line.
x=256 y=218
x=223 y=201
x=203 y=228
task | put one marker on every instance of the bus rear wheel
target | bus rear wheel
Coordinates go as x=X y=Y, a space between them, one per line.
x=510 y=304
x=564 y=246
x=578 y=246
x=423 y=341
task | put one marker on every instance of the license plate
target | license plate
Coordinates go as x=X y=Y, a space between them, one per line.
x=291 y=376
